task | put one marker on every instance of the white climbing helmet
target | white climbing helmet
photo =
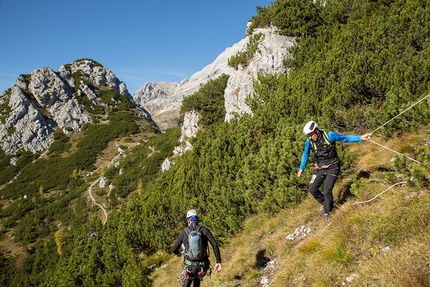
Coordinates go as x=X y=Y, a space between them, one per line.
x=309 y=127
x=191 y=212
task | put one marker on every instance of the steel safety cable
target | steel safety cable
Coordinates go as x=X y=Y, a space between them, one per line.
x=401 y=113
x=376 y=196
x=393 y=151
x=422 y=99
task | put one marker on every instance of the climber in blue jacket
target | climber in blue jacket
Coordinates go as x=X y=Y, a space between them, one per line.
x=327 y=165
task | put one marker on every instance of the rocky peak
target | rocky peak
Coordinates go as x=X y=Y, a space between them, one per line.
x=44 y=100
x=163 y=99
x=95 y=74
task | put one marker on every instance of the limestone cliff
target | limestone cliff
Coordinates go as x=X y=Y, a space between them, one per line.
x=163 y=99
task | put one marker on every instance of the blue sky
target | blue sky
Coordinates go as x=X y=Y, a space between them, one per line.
x=138 y=40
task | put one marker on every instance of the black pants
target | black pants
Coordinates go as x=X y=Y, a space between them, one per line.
x=193 y=274
x=188 y=282
x=327 y=176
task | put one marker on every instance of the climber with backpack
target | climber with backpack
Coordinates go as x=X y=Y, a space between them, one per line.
x=327 y=162
x=195 y=238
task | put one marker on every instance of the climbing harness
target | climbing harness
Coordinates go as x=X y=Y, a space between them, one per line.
x=194 y=263
x=188 y=269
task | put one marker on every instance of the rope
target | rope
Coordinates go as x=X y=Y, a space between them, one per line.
x=359 y=202
x=401 y=113
x=391 y=121
x=393 y=151
x=403 y=182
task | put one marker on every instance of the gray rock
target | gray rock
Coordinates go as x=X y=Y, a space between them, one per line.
x=163 y=99
x=45 y=100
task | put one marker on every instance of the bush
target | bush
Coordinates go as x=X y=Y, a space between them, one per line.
x=244 y=57
x=208 y=101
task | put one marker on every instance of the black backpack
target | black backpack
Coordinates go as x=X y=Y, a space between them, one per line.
x=196 y=250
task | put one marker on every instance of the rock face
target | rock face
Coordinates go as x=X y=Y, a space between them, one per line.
x=189 y=129
x=271 y=52
x=44 y=100
x=163 y=99
x=25 y=126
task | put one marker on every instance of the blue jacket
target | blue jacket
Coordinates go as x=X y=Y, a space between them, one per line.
x=333 y=136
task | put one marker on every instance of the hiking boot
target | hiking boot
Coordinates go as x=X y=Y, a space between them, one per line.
x=326 y=216
x=322 y=212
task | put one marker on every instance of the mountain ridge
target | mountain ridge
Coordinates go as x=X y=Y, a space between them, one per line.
x=44 y=100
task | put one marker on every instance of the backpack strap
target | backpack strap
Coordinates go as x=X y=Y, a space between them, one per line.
x=326 y=139
x=188 y=230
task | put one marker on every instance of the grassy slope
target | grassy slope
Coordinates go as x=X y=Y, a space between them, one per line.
x=384 y=242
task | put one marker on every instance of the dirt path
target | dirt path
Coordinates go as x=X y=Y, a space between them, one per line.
x=95 y=202
x=117 y=149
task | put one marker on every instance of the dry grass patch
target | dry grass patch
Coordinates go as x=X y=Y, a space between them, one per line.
x=406 y=266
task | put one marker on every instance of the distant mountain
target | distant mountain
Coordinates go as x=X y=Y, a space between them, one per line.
x=44 y=100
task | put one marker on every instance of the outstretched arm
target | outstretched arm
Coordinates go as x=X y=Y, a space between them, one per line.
x=334 y=136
